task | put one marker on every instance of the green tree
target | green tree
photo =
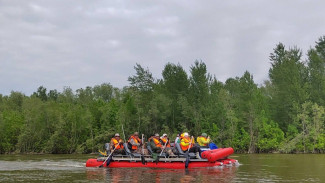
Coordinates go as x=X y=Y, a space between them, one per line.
x=316 y=68
x=41 y=93
x=142 y=85
x=199 y=96
x=175 y=84
x=288 y=76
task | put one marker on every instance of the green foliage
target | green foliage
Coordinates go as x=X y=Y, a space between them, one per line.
x=270 y=137
x=10 y=125
x=285 y=114
x=289 y=79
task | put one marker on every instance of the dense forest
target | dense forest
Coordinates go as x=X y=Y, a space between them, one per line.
x=285 y=114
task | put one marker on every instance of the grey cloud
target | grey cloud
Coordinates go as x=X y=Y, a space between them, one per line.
x=84 y=43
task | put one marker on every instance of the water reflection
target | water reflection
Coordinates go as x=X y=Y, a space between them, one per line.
x=224 y=174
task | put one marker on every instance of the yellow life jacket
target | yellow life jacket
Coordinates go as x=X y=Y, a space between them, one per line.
x=203 y=141
x=185 y=143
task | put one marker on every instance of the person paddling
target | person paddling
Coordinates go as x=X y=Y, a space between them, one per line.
x=188 y=144
x=117 y=144
x=166 y=145
x=158 y=146
x=165 y=140
x=155 y=143
x=203 y=140
x=135 y=143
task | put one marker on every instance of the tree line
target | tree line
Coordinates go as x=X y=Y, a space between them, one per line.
x=285 y=114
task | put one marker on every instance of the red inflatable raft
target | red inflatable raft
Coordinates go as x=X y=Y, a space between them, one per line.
x=211 y=158
x=160 y=164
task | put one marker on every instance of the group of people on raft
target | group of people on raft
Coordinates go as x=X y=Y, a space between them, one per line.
x=160 y=144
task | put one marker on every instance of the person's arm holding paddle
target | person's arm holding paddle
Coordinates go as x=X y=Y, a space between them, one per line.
x=164 y=147
x=108 y=159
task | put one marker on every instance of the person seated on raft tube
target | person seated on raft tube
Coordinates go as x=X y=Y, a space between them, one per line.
x=117 y=144
x=134 y=143
x=203 y=140
x=157 y=146
x=155 y=143
x=165 y=140
x=177 y=139
x=168 y=149
x=188 y=144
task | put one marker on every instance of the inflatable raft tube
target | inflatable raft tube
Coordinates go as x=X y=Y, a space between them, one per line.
x=218 y=154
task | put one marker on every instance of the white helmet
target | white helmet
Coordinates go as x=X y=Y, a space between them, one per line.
x=185 y=134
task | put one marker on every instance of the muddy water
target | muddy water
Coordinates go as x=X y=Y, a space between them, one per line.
x=252 y=168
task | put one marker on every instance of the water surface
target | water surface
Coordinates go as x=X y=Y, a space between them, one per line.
x=252 y=168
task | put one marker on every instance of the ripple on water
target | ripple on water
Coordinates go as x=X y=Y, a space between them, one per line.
x=40 y=165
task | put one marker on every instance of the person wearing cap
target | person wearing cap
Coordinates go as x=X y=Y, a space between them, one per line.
x=134 y=142
x=166 y=145
x=155 y=143
x=117 y=144
x=188 y=144
x=203 y=140
x=165 y=140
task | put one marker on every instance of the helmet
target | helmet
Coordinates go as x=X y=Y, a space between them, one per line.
x=185 y=134
x=117 y=135
x=136 y=133
x=157 y=135
x=164 y=135
x=204 y=135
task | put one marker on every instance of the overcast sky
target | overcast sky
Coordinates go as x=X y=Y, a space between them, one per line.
x=86 y=43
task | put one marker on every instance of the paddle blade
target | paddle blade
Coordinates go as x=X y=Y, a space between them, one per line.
x=143 y=160
x=108 y=161
x=157 y=160
x=187 y=159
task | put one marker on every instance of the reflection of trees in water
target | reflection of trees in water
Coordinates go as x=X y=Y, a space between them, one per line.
x=96 y=173
x=224 y=174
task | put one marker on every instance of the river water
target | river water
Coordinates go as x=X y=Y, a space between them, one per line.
x=252 y=168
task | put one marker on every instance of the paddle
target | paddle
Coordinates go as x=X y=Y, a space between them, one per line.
x=187 y=154
x=163 y=148
x=142 y=156
x=108 y=159
x=123 y=134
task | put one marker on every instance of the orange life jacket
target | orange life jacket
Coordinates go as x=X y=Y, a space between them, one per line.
x=117 y=144
x=164 y=140
x=185 y=143
x=136 y=140
x=157 y=142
